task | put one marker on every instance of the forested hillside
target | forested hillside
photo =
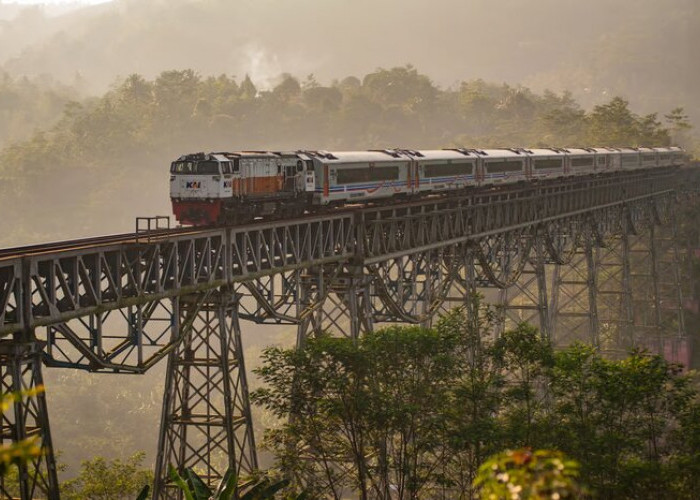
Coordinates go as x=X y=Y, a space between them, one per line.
x=105 y=160
x=597 y=49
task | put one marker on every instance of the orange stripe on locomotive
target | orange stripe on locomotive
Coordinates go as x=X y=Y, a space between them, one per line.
x=251 y=186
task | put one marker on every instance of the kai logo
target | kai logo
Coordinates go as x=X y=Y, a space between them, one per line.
x=228 y=184
x=193 y=184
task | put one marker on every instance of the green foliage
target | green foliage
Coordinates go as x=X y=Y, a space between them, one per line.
x=616 y=418
x=143 y=494
x=412 y=413
x=543 y=474
x=20 y=451
x=380 y=397
x=100 y=478
x=613 y=124
x=194 y=488
x=30 y=104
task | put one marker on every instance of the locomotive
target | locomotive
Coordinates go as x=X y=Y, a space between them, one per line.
x=234 y=187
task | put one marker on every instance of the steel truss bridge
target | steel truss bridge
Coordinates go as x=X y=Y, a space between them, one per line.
x=590 y=259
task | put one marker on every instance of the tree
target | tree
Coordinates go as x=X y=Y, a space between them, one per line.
x=679 y=125
x=475 y=396
x=613 y=124
x=368 y=413
x=248 y=90
x=101 y=479
x=616 y=417
x=400 y=86
x=527 y=360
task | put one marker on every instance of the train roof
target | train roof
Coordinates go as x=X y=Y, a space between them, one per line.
x=605 y=151
x=374 y=156
x=547 y=152
x=504 y=153
x=445 y=154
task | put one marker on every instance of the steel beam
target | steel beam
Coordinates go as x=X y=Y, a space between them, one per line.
x=206 y=421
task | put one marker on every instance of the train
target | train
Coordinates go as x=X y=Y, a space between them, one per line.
x=235 y=187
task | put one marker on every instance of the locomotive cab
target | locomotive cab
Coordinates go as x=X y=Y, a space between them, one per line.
x=198 y=184
x=239 y=186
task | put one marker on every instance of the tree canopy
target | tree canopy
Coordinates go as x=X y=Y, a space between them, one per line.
x=87 y=159
x=411 y=413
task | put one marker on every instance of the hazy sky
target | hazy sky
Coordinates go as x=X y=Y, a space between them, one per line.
x=53 y=2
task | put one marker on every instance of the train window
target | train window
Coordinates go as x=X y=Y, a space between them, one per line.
x=448 y=169
x=549 y=163
x=364 y=174
x=207 y=168
x=586 y=161
x=350 y=175
x=300 y=166
x=226 y=167
x=182 y=167
x=504 y=166
x=629 y=160
x=309 y=165
x=236 y=166
x=601 y=160
x=384 y=174
x=649 y=158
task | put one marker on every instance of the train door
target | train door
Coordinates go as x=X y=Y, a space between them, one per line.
x=412 y=177
x=290 y=176
x=479 y=175
x=236 y=177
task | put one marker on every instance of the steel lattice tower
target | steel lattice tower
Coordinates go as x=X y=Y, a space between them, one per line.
x=206 y=421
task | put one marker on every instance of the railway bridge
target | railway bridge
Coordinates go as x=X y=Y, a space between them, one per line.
x=592 y=259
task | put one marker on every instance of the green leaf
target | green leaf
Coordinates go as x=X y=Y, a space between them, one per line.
x=227 y=486
x=200 y=490
x=143 y=494
x=180 y=483
x=269 y=491
x=255 y=493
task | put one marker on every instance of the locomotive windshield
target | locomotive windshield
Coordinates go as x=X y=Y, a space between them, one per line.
x=195 y=167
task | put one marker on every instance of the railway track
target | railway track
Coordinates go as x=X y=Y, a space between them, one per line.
x=93 y=241
x=157 y=234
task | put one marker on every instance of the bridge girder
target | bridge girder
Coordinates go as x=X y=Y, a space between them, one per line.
x=125 y=307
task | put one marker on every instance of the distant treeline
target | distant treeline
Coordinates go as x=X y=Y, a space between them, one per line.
x=123 y=141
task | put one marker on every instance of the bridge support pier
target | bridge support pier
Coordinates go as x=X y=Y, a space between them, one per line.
x=527 y=299
x=27 y=417
x=656 y=282
x=615 y=294
x=206 y=422
x=575 y=298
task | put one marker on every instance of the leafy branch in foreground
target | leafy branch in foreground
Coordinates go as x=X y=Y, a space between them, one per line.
x=20 y=451
x=522 y=473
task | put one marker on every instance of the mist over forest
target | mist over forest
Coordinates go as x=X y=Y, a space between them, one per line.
x=642 y=50
x=96 y=101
